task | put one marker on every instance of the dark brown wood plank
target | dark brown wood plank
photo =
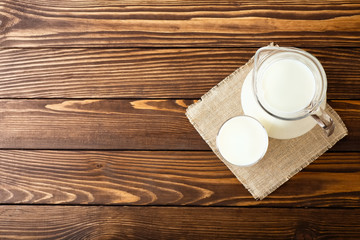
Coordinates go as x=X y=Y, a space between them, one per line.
x=76 y=222
x=97 y=124
x=33 y=23
x=343 y=107
x=165 y=178
x=120 y=124
x=147 y=73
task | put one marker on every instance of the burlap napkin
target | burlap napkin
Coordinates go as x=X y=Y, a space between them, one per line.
x=283 y=159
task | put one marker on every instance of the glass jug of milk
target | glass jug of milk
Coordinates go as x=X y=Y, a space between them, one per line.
x=286 y=92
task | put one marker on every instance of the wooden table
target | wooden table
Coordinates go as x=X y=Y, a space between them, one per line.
x=94 y=141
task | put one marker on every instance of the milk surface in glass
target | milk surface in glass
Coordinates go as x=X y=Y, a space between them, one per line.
x=242 y=141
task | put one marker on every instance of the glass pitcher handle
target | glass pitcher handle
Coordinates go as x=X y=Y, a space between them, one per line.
x=324 y=121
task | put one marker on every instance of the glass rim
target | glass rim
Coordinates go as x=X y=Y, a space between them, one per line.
x=262 y=154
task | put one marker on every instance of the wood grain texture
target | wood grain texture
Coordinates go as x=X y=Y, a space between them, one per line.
x=76 y=222
x=97 y=124
x=120 y=124
x=147 y=73
x=33 y=23
x=343 y=107
x=165 y=178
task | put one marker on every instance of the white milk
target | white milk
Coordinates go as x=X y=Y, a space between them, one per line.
x=242 y=140
x=275 y=127
x=287 y=86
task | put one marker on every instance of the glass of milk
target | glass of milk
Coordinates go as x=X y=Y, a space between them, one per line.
x=242 y=141
x=286 y=92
